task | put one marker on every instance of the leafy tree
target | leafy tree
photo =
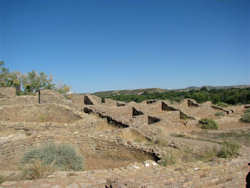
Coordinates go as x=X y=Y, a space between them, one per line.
x=34 y=81
x=63 y=89
x=28 y=83
x=15 y=80
x=4 y=75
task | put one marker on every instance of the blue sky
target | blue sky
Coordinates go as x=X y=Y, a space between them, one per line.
x=96 y=45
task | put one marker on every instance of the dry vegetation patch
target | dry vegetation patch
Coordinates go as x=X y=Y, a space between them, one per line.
x=208 y=124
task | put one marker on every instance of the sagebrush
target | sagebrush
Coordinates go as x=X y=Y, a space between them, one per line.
x=229 y=150
x=36 y=169
x=63 y=156
x=245 y=117
x=208 y=124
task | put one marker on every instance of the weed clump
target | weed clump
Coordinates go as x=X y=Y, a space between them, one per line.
x=208 y=154
x=1 y=179
x=229 y=150
x=208 y=124
x=61 y=156
x=246 y=116
x=168 y=159
x=219 y=114
x=36 y=169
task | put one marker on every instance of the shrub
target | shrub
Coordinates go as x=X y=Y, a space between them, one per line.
x=208 y=124
x=2 y=179
x=168 y=159
x=228 y=150
x=219 y=114
x=245 y=117
x=62 y=156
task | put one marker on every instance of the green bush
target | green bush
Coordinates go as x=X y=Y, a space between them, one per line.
x=1 y=179
x=208 y=124
x=219 y=114
x=245 y=117
x=229 y=150
x=62 y=156
x=168 y=159
x=247 y=110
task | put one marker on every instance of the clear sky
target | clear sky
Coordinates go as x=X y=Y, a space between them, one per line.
x=96 y=45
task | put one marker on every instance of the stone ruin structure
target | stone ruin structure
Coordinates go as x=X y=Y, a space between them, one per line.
x=104 y=127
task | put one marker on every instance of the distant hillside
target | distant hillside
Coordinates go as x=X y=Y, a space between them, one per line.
x=223 y=94
x=130 y=92
x=213 y=87
x=159 y=90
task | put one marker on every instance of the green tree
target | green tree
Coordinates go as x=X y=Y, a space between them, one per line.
x=15 y=80
x=63 y=89
x=4 y=75
x=34 y=81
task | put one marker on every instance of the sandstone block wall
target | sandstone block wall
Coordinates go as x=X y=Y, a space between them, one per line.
x=19 y=100
x=7 y=92
x=50 y=96
x=8 y=97
x=77 y=100
x=38 y=113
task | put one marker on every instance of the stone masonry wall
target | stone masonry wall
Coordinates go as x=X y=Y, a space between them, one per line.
x=7 y=92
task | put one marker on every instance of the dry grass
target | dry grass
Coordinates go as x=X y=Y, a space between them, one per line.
x=208 y=124
x=36 y=170
x=229 y=150
x=161 y=141
x=168 y=159
x=242 y=137
x=208 y=154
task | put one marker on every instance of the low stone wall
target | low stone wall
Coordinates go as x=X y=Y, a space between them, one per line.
x=19 y=100
x=38 y=113
x=222 y=109
x=12 y=147
x=51 y=96
x=7 y=92
x=77 y=100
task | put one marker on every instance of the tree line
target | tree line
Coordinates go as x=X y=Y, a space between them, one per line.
x=30 y=82
x=217 y=96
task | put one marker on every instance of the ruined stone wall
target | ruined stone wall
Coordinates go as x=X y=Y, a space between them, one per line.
x=147 y=107
x=38 y=113
x=77 y=100
x=51 y=96
x=92 y=100
x=12 y=147
x=7 y=92
x=46 y=96
x=110 y=102
x=19 y=100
